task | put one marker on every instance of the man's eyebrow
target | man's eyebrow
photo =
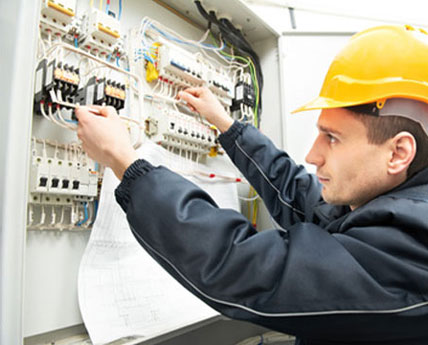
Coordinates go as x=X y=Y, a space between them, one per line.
x=325 y=129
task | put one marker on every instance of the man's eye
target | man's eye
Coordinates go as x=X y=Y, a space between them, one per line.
x=331 y=138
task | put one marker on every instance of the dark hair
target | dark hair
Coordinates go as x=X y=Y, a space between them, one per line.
x=382 y=128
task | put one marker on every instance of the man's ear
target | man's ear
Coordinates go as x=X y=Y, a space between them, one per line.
x=403 y=151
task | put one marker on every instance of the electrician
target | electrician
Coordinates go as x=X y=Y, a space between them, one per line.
x=351 y=266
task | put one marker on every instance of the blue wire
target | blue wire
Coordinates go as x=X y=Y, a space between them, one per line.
x=75 y=42
x=120 y=9
x=71 y=121
x=95 y=212
x=67 y=120
x=107 y=7
x=171 y=38
x=85 y=207
x=117 y=62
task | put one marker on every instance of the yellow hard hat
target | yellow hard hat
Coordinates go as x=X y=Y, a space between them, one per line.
x=378 y=63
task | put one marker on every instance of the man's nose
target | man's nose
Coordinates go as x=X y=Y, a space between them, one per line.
x=314 y=155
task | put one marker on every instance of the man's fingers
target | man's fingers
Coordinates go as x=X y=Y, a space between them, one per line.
x=79 y=132
x=195 y=91
x=189 y=98
x=192 y=108
x=82 y=113
x=108 y=111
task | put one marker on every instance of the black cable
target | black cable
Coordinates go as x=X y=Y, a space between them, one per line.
x=235 y=38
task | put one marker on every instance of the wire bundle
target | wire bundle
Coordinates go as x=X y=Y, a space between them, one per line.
x=237 y=40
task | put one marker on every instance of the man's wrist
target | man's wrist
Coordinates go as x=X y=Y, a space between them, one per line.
x=224 y=124
x=122 y=163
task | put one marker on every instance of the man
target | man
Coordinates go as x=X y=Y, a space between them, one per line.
x=352 y=265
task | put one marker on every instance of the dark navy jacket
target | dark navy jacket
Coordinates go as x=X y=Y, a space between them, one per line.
x=332 y=277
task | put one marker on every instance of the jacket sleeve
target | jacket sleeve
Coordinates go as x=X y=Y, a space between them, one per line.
x=289 y=192
x=301 y=281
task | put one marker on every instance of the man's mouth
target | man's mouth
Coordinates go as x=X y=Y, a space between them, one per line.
x=322 y=179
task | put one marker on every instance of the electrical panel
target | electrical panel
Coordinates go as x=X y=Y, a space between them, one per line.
x=86 y=57
x=75 y=67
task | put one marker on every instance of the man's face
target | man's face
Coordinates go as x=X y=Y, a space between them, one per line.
x=351 y=170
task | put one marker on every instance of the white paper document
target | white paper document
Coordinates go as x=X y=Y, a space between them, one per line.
x=122 y=290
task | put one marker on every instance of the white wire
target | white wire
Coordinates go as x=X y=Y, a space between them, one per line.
x=43 y=46
x=154 y=23
x=52 y=117
x=65 y=123
x=42 y=216
x=53 y=216
x=30 y=215
x=42 y=110
x=204 y=37
x=249 y=199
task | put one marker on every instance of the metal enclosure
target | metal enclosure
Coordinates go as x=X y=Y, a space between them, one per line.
x=25 y=309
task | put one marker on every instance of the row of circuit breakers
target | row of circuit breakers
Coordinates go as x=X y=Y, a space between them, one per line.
x=65 y=78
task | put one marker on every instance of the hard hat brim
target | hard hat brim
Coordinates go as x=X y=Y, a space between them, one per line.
x=321 y=103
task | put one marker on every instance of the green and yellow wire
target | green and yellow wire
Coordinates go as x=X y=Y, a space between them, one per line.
x=253 y=74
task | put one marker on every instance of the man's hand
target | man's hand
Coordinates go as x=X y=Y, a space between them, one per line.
x=202 y=100
x=105 y=138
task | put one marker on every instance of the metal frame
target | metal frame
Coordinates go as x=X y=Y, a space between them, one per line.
x=18 y=23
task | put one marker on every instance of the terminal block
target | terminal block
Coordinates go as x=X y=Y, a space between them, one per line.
x=244 y=94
